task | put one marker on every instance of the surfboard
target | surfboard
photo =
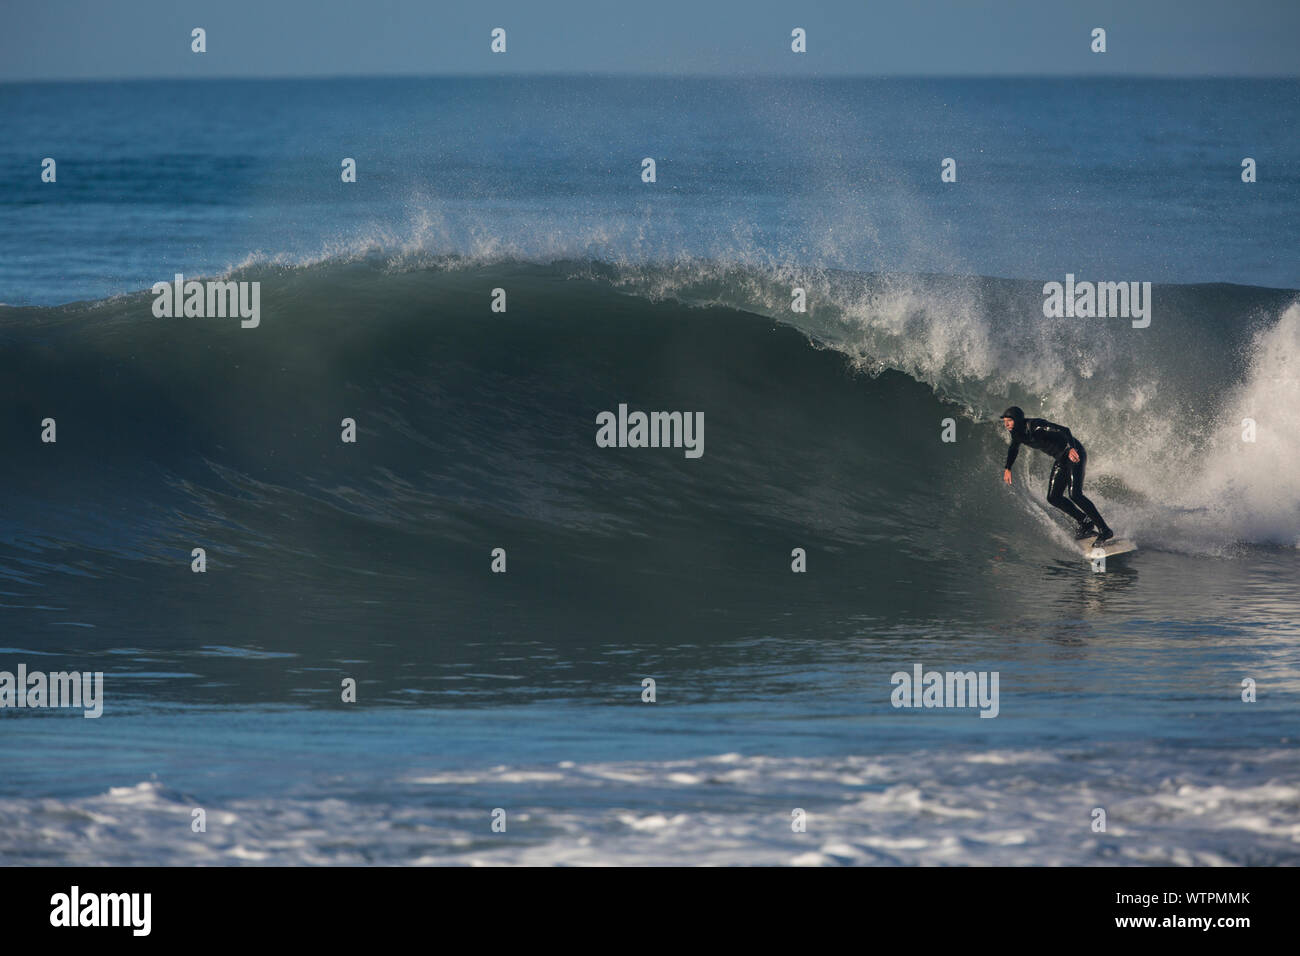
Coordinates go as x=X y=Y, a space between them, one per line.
x=1111 y=548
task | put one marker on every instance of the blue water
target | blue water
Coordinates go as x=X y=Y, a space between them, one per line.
x=1112 y=177
x=522 y=691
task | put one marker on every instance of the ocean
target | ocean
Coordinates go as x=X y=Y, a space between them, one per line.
x=498 y=585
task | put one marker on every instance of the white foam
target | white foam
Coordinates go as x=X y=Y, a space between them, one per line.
x=995 y=807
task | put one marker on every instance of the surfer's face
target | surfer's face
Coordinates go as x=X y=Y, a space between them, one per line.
x=1009 y=422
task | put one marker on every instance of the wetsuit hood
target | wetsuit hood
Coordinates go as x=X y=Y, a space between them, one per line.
x=1017 y=417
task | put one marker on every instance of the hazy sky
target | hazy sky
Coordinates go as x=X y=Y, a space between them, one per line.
x=79 y=39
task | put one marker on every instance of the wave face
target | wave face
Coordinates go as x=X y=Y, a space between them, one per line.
x=476 y=430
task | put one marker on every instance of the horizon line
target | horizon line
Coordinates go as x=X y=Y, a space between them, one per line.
x=595 y=74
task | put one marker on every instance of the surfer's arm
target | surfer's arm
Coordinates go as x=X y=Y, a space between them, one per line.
x=1011 y=454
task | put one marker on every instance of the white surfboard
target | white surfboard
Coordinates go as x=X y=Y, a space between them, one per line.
x=1110 y=548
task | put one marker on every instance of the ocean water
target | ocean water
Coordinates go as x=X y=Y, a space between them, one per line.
x=1120 y=690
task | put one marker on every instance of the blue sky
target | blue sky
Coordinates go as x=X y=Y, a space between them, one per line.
x=107 y=39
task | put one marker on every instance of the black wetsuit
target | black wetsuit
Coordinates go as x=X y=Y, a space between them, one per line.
x=1065 y=486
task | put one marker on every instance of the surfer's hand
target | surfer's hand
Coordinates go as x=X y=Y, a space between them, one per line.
x=1074 y=455
x=1006 y=475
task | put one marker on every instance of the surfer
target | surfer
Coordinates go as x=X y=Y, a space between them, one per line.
x=1068 y=462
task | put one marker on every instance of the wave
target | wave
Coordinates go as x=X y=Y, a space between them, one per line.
x=473 y=423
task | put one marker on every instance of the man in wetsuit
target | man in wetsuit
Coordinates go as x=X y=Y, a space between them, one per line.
x=1069 y=460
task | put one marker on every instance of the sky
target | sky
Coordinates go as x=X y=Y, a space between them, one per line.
x=124 y=39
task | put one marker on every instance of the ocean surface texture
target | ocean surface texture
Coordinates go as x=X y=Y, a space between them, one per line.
x=1123 y=690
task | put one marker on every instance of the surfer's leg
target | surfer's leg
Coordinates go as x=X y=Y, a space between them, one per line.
x=1081 y=500
x=1056 y=485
